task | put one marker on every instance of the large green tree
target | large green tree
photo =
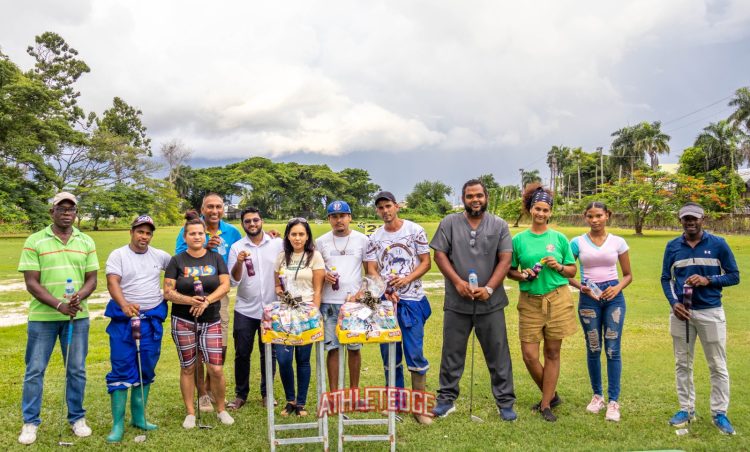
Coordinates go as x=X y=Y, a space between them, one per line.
x=33 y=123
x=57 y=65
x=428 y=198
x=648 y=192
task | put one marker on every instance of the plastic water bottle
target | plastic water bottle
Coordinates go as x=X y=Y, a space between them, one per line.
x=335 y=285
x=222 y=247
x=473 y=279
x=595 y=290
x=69 y=289
x=198 y=287
x=249 y=265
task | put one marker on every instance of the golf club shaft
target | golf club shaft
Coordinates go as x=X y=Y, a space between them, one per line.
x=140 y=380
x=473 y=339
x=689 y=364
x=65 y=380
x=195 y=371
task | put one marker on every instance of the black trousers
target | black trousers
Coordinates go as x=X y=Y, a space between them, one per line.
x=493 y=340
x=243 y=332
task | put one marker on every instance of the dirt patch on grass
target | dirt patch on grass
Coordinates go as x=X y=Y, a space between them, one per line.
x=12 y=314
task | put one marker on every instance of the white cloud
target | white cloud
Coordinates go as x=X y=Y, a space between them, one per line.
x=334 y=77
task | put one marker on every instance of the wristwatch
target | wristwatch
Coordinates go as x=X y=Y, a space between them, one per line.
x=489 y=290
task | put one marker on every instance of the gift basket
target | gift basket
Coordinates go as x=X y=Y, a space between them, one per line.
x=291 y=321
x=364 y=317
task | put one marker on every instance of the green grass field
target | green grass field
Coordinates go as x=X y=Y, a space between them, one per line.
x=648 y=396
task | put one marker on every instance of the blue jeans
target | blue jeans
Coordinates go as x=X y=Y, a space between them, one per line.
x=603 y=318
x=285 y=354
x=411 y=316
x=41 y=338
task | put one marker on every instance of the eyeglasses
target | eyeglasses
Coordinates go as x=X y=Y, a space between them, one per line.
x=297 y=220
x=66 y=210
x=252 y=220
x=473 y=240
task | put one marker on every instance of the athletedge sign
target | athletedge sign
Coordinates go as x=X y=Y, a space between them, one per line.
x=376 y=398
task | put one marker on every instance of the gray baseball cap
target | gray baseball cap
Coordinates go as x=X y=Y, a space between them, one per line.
x=691 y=210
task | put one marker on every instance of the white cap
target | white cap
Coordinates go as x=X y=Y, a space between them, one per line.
x=64 y=196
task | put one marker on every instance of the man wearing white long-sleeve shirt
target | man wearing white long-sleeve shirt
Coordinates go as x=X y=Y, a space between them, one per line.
x=253 y=292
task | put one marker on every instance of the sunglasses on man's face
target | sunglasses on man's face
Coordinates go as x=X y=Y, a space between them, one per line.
x=252 y=220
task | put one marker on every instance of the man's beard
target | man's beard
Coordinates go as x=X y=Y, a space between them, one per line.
x=259 y=232
x=475 y=213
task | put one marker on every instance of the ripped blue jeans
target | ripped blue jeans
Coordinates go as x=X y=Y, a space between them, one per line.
x=603 y=319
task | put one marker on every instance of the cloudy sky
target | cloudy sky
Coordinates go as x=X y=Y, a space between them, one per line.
x=409 y=90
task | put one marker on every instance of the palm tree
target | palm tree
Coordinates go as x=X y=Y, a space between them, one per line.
x=722 y=144
x=649 y=139
x=741 y=116
x=558 y=158
x=530 y=177
x=623 y=152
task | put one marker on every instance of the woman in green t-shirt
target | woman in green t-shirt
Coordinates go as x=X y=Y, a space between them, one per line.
x=542 y=263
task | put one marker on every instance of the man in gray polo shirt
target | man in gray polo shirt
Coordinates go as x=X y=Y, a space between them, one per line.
x=465 y=241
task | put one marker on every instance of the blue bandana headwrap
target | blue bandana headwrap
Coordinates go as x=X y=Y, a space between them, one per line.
x=541 y=195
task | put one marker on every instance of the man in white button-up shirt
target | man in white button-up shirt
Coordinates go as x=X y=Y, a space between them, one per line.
x=251 y=265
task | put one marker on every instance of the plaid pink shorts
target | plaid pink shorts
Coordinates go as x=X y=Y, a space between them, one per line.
x=208 y=341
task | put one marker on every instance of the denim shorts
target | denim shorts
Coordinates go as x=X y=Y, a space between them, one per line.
x=330 y=313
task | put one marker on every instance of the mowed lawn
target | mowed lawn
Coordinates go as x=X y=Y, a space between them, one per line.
x=648 y=397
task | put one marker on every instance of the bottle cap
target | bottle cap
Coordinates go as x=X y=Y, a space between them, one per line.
x=70 y=280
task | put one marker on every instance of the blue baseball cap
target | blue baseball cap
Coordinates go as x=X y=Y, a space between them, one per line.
x=338 y=207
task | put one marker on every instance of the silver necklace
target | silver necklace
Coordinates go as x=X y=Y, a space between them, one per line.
x=341 y=252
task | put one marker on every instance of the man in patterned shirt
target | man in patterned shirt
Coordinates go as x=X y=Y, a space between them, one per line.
x=399 y=252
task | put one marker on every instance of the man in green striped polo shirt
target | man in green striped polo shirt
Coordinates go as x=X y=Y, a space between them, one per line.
x=49 y=258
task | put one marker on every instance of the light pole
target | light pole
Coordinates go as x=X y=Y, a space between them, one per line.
x=520 y=170
x=601 y=163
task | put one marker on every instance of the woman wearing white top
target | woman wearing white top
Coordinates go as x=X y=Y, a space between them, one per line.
x=304 y=267
x=602 y=315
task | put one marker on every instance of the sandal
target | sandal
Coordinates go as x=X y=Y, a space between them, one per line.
x=301 y=411
x=290 y=408
x=236 y=404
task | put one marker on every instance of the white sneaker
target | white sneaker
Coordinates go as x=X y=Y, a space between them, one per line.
x=204 y=404
x=189 y=422
x=596 y=404
x=225 y=418
x=613 y=412
x=28 y=434
x=80 y=429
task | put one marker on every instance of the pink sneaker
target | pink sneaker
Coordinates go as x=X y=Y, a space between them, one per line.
x=613 y=412
x=596 y=404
